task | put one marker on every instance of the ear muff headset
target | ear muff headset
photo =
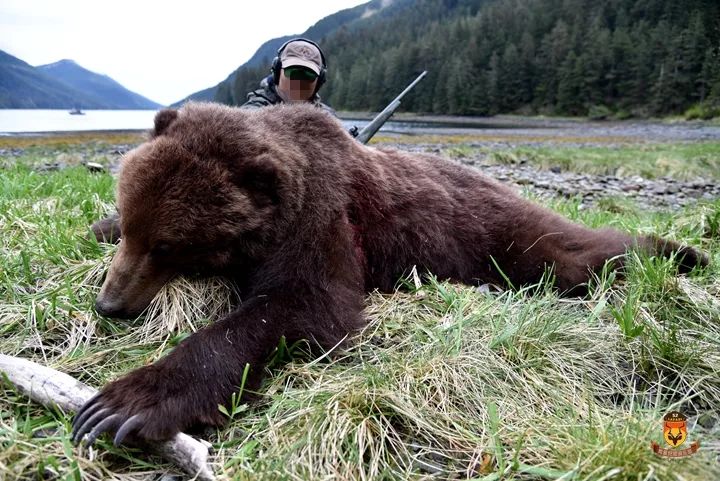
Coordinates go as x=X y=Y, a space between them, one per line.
x=276 y=66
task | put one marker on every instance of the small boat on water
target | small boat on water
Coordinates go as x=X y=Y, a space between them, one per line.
x=76 y=111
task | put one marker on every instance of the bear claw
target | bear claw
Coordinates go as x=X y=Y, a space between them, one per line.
x=133 y=423
x=95 y=418
x=107 y=424
x=86 y=426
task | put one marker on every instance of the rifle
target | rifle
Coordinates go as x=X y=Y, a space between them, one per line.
x=370 y=129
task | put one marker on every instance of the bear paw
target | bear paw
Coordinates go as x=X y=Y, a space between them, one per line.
x=144 y=405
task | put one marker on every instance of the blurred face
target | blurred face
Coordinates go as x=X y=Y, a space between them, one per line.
x=297 y=84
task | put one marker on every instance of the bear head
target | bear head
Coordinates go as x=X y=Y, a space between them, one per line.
x=204 y=194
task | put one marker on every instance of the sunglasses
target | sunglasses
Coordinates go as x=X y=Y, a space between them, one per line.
x=299 y=73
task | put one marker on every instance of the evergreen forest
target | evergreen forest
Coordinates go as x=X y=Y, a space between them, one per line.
x=557 y=57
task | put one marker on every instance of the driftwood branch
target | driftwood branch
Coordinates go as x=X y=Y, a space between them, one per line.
x=50 y=387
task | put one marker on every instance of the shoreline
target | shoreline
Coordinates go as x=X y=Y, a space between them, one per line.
x=557 y=164
x=455 y=125
x=60 y=133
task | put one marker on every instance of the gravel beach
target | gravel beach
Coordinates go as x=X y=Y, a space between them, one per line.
x=657 y=193
x=503 y=134
x=480 y=138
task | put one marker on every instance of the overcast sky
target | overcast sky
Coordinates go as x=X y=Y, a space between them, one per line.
x=163 y=50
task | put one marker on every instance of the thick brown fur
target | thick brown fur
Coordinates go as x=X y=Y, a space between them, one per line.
x=306 y=220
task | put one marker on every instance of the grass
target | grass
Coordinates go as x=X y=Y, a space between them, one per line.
x=446 y=382
x=83 y=140
x=677 y=160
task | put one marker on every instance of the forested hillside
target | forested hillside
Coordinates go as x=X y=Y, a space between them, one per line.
x=643 y=57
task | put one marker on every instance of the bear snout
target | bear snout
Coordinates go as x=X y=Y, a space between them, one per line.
x=108 y=308
x=131 y=283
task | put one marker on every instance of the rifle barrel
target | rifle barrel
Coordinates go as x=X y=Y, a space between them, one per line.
x=410 y=87
x=370 y=129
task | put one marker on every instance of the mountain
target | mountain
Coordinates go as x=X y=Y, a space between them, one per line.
x=483 y=57
x=62 y=85
x=22 y=86
x=108 y=92
x=555 y=57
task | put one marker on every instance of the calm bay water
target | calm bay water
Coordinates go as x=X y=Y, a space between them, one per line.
x=13 y=121
x=38 y=120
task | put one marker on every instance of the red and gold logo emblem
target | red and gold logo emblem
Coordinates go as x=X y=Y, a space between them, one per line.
x=675 y=435
x=674 y=429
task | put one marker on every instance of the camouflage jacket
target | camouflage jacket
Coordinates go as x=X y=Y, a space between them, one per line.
x=266 y=95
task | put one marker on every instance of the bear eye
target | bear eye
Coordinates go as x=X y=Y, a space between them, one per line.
x=161 y=249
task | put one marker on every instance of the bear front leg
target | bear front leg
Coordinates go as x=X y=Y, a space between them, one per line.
x=183 y=389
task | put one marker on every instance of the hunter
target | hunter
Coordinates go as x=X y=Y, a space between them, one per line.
x=297 y=73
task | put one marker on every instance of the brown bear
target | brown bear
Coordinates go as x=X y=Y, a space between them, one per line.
x=306 y=220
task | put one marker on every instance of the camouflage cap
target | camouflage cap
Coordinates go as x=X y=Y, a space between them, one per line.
x=300 y=53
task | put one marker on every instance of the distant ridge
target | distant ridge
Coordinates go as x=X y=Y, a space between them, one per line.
x=106 y=90
x=62 y=85
x=22 y=86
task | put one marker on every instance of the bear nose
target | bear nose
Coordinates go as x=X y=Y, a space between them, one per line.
x=111 y=309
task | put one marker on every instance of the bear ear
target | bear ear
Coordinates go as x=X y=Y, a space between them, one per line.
x=261 y=180
x=163 y=119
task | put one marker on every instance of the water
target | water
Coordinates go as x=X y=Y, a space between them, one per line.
x=37 y=120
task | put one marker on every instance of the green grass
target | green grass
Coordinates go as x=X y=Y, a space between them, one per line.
x=703 y=111
x=447 y=381
x=677 y=160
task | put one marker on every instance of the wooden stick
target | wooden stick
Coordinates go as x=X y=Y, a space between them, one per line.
x=54 y=388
